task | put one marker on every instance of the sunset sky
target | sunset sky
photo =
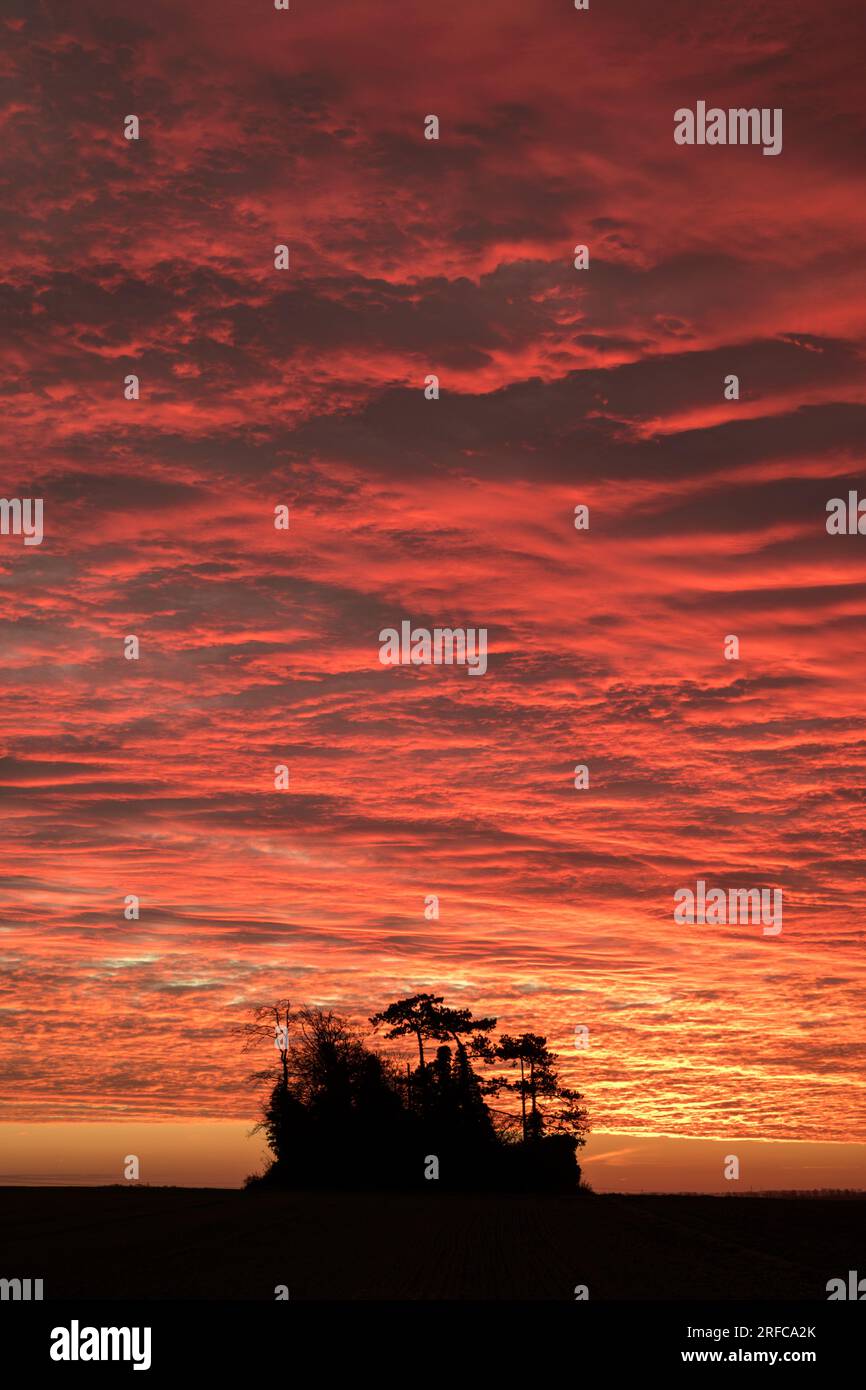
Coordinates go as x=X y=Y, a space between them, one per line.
x=305 y=387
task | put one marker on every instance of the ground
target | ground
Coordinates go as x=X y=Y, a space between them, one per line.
x=150 y=1242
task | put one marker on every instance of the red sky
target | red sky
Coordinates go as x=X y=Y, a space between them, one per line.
x=558 y=387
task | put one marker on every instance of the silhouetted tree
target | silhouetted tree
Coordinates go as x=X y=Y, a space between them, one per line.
x=270 y=1023
x=335 y=1115
x=443 y=1023
x=411 y=1015
x=551 y=1105
x=427 y=1016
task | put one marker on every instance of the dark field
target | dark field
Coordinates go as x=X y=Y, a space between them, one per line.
x=208 y=1243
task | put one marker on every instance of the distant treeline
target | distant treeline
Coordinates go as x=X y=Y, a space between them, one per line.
x=815 y=1193
x=829 y=1193
x=338 y=1114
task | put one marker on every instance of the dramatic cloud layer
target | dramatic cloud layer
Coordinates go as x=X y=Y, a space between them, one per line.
x=304 y=387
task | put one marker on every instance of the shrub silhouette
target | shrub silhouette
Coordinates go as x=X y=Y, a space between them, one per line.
x=340 y=1115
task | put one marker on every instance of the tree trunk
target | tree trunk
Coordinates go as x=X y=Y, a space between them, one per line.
x=522 y=1100
x=532 y=1098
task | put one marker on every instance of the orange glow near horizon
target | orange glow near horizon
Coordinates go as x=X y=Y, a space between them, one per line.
x=222 y=1154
